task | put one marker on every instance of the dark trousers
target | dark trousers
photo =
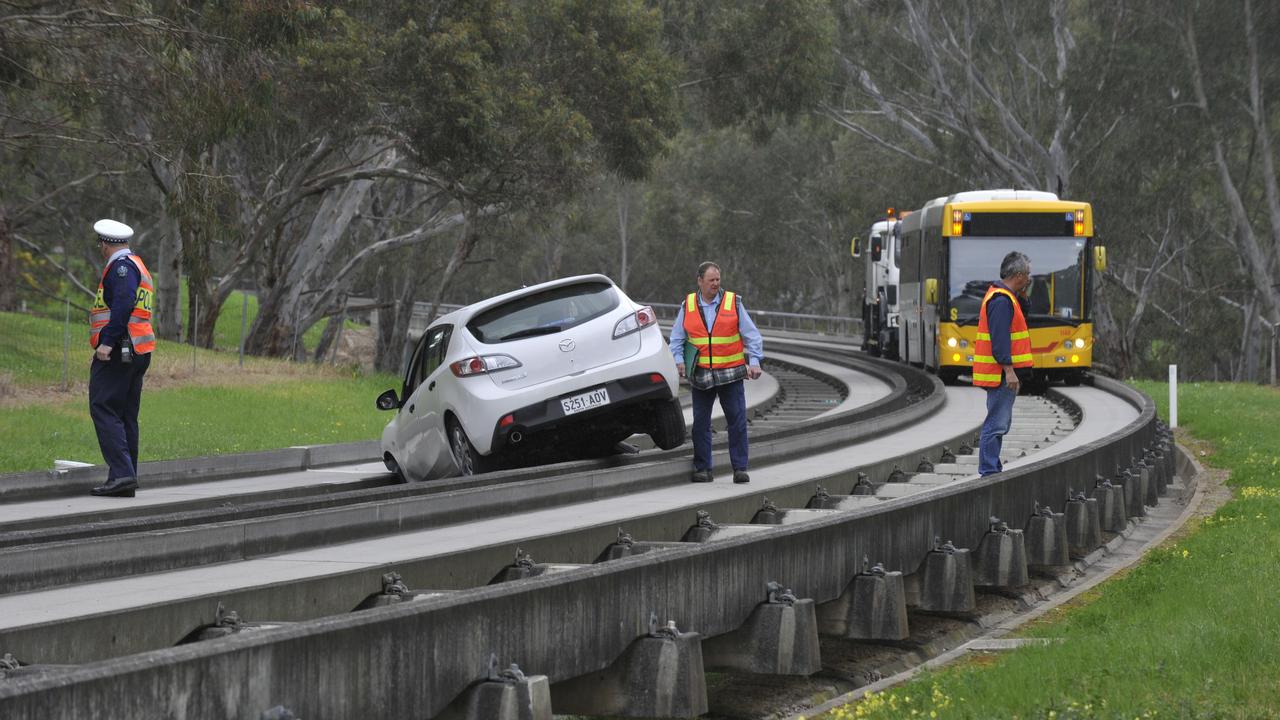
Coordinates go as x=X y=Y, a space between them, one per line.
x=994 y=428
x=733 y=400
x=115 y=393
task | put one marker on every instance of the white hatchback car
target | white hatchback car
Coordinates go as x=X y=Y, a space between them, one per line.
x=568 y=367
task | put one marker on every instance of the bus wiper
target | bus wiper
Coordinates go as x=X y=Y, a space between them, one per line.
x=531 y=332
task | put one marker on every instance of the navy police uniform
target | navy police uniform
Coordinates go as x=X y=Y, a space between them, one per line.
x=115 y=384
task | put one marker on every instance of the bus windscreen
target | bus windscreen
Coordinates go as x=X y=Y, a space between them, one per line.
x=1056 y=267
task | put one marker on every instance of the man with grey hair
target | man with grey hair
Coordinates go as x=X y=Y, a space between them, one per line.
x=1003 y=346
x=716 y=345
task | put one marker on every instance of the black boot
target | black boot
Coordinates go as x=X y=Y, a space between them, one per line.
x=119 y=487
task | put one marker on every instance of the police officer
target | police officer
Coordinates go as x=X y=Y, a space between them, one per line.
x=122 y=338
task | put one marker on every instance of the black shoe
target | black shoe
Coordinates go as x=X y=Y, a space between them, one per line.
x=702 y=476
x=119 y=487
x=741 y=476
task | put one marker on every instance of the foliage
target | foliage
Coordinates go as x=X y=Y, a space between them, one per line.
x=303 y=147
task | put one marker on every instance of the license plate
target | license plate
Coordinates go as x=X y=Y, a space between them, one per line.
x=585 y=401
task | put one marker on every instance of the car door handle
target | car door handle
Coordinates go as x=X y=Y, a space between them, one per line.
x=411 y=409
x=432 y=386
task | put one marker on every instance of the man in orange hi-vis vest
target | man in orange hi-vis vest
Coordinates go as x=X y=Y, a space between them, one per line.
x=716 y=346
x=122 y=338
x=1004 y=345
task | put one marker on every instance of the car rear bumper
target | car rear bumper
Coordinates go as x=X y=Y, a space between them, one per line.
x=548 y=417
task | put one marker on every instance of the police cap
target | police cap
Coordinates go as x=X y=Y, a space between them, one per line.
x=110 y=231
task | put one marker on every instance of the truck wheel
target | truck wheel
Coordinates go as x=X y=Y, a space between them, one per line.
x=669 y=430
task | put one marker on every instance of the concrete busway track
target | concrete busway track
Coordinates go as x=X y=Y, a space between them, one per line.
x=120 y=628
x=174 y=496
x=49 y=549
x=566 y=624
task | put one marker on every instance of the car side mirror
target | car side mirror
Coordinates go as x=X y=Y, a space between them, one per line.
x=855 y=246
x=931 y=291
x=388 y=400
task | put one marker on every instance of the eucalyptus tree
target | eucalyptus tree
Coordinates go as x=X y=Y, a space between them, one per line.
x=1231 y=85
x=55 y=160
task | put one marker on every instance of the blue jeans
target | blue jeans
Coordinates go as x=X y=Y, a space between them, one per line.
x=733 y=400
x=999 y=415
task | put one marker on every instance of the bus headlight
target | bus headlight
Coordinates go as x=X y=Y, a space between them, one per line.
x=1075 y=358
x=951 y=342
x=955 y=357
x=1068 y=345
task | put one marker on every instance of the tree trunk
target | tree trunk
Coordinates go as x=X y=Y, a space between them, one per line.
x=8 y=265
x=287 y=313
x=329 y=336
x=168 y=279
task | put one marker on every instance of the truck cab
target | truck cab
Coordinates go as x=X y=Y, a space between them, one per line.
x=880 y=316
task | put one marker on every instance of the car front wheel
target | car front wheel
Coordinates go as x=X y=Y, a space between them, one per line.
x=469 y=461
x=669 y=429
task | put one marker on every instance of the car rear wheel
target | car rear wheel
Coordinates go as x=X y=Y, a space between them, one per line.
x=469 y=461
x=669 y=429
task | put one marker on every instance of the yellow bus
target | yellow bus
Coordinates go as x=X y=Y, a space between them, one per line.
x=950 y=254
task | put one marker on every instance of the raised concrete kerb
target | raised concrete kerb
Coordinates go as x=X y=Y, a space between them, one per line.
x=185 y=471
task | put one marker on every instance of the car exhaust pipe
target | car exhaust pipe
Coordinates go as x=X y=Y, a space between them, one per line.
x=515 y=437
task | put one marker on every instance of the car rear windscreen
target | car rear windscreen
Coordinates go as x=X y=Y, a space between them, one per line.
x=543 y=313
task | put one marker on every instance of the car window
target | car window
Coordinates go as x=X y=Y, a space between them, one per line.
x=437 y=347
x=543 y=313
x=411 y=375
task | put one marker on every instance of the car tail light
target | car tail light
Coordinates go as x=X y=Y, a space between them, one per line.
x=481 y=364
x=639 y=320
x=656 y=378
x=507 y=420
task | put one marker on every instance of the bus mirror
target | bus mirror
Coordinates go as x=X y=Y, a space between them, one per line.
x=876 y=245
x=1100 y=258
x=931 y=291
x=855 y=246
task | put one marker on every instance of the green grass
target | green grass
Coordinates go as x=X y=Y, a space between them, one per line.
x=221 y=408
x=197 y=421
x=1192 y=632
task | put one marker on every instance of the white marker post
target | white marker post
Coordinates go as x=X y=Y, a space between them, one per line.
x=1173 y=396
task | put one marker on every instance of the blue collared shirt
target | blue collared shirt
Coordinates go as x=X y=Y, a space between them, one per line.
x=752 y=341
x=999 y=318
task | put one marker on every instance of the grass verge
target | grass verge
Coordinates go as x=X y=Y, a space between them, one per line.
x=189 y=409
x=1193 y=631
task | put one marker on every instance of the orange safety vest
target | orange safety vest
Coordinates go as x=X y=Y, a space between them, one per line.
x=986 y=372
x=722 y=346
x=140 y=330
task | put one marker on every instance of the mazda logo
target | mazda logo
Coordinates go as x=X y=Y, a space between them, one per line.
x=567 y=345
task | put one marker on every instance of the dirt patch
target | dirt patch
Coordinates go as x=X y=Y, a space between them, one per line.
x=1212 y=483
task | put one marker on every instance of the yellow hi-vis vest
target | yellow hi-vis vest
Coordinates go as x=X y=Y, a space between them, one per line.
x=140 y=330
x=986 y=372
x=721 y=347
